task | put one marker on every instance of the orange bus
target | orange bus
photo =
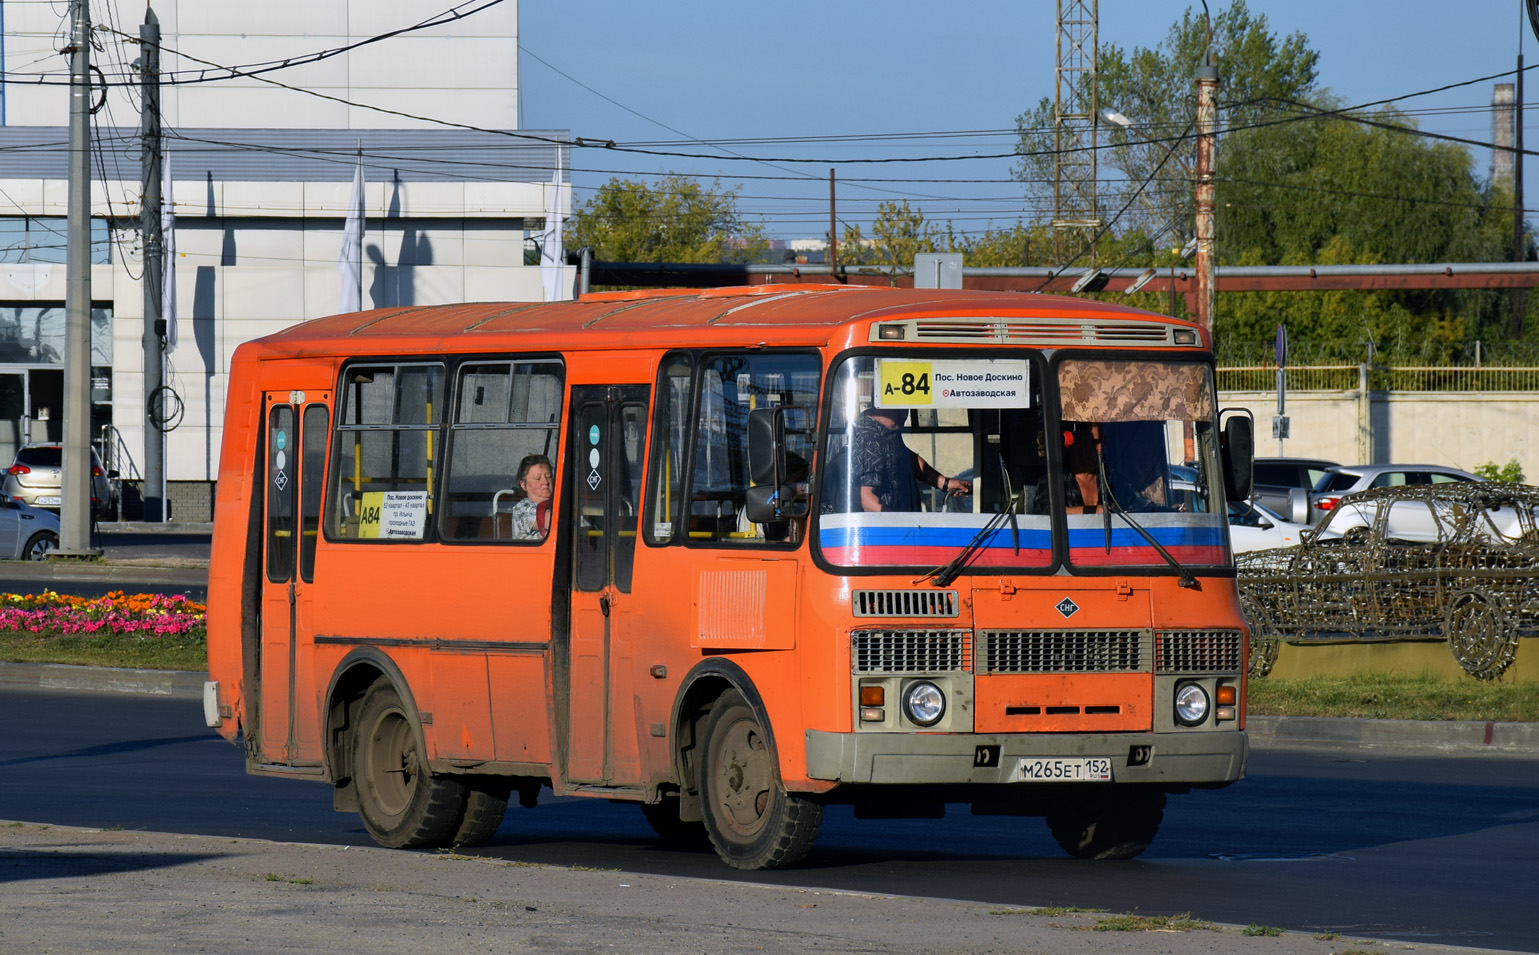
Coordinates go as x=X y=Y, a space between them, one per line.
x=734 y=555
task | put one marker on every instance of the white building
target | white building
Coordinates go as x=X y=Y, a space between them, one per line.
x=262 y=175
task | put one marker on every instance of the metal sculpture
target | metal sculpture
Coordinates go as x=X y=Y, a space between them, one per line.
x=1446 y=562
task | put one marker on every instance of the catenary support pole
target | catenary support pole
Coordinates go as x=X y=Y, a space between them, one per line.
x=75 y=502
x=1207 y=125
x=154 y=267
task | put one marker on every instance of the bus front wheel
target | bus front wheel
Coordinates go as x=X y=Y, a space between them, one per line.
x=1115 y=824
x=752 y=821
x=401 y=802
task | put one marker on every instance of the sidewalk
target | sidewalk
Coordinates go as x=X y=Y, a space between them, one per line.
x=1463 y=737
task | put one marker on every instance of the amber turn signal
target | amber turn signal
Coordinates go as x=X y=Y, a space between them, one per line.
x=873 y=696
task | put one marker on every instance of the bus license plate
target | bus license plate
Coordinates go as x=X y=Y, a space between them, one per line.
x=1093 y=769
x=48 y=502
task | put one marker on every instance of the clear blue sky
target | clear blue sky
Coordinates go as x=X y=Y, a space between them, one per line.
x=714 y=71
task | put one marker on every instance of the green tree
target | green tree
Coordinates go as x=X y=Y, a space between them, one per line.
x=1155 y=89
x=676 y=219
x=898 y=233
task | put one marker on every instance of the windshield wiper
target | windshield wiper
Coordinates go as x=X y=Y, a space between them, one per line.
x=943 y=576
x=1187 y=580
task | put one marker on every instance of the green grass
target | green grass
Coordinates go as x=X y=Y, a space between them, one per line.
x=107 y=650
x=1395 y=697
x=1151 y=923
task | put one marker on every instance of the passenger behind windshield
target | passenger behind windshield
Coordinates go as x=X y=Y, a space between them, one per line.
x=1134 y=458
x=887 y=471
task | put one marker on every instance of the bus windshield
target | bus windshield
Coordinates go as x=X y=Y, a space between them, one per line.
x=927 y=457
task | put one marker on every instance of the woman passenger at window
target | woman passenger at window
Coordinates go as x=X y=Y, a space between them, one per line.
x=536 y=485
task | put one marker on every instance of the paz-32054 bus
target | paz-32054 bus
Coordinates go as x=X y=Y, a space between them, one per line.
x=733 y=555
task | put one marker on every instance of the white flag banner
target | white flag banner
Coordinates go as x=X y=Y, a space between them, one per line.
x=552 y=254
x=168 y=262
x=350 y=259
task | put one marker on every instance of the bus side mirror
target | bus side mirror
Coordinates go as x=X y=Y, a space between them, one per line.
x=766 y=445
x=1238 y=450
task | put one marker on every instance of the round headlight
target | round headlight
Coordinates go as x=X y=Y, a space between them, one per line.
x=924 y=703
x=1191 y=704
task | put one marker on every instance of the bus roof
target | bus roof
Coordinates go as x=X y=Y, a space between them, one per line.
x=790 y=314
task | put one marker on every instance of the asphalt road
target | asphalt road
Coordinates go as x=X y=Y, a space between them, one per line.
x=143 y=560
x=1424 y=849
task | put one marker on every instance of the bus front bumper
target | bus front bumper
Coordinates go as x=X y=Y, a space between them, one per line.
x=1195 y=758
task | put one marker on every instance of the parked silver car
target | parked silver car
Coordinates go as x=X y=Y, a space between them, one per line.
x=26 y=533
x=1338 y=482
x=36 y=477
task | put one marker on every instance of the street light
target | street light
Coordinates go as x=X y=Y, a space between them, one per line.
x=1202 y=180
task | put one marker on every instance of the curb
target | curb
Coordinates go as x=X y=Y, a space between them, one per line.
x=179 y=684
x=1452 y=736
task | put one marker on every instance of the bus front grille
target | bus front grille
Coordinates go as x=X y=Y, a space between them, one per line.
x=1198 y=651
x=910 y=651
x=1064 y=651
x=904 y=603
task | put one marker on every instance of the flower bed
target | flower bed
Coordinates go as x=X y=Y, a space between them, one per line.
x=145 y=615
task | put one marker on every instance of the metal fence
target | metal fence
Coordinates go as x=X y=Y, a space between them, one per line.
x=1381 y=377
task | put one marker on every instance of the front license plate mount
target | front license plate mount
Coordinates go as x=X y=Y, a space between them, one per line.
x=1080 y=769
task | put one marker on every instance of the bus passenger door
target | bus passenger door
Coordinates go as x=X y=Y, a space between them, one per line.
x=605 y=464
x=293 y=475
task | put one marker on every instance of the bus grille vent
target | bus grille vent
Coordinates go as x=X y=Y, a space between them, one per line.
x=904 y=603
x=1044 y=332
x=1064 y=651
x=1198 y=651
x=911 y=651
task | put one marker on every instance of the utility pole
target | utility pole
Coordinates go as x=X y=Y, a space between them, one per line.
x=1207 y=126
x=1519 y=247
x=833 y=236
x=1076 y=106
x=75 y=503
x=154 y=265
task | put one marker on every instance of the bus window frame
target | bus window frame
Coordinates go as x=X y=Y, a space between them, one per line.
x=456 y=367
x=1055 y=459
x=656 y=456
x=448 y=363
x=1039 y=360
x=1044 y=363
x=702 y=357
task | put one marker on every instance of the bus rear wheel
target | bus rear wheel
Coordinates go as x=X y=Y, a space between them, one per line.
x=1116 y=824
x=486 y=802
x=751 y=819
x=402 y=804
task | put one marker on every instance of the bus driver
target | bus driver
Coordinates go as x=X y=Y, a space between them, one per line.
x=886 y=469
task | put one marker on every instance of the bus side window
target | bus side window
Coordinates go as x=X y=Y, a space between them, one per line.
x=386 y=451
x=504 y=412
x=670 y=435
x=730 y=387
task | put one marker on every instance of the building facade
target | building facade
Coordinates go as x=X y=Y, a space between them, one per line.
x=262 y=164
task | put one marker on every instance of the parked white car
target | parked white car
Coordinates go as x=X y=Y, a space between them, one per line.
x=26 y=533
x=1254 y=526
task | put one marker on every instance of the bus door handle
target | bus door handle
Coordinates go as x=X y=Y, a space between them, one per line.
x=604 y=604
x=291 y=593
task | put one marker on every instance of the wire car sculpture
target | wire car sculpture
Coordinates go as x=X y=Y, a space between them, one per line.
x=1454 y=562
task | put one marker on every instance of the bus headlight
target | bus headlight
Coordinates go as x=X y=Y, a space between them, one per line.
x=1191 y=704
x=924 y=703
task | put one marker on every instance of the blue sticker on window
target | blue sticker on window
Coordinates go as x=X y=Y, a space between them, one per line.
x=593 y=435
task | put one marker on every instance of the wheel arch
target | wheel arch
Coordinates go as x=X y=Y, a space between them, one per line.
x=350 y=682
x=702 y=686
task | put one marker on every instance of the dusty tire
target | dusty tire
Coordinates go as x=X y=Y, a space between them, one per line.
x=401 y=803
x=1480 y=634
x=40 y=545
x=677 y=834
x=751 y=819
x=1117 y=824
x=486 y=802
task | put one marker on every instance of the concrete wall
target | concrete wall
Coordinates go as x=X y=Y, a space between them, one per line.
x=1461 y=429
